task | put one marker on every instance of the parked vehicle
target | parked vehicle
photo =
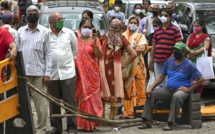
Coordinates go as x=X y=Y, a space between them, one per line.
x=190 y=10
x=72 y=11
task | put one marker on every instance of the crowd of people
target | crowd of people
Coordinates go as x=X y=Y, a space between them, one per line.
x=88 y=71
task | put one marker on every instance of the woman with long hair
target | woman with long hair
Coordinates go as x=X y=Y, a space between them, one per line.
x=135 y=83
x=113 y=44
x=197 y=42
x=88 y=76
x=137 y=11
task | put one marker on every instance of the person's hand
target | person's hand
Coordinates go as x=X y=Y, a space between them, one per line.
x=185 y=89
x=46 y=80
x=12 y=54
x=148 y=92
x=192 y=55
x=151 y=66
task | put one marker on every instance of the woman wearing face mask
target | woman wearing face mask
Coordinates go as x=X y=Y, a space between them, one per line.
x=88 y=81
x=197 y=42
x=87 y=15
x=137 y=12
x=135 y=83
x=113 y=44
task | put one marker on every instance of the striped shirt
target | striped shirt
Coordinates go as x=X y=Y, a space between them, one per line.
x=165 y=40
x=36 y=50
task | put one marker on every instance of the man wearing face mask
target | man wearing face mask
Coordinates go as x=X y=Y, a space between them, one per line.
x=63 y=76
x=34 y=42
x=116 y=14
x=164 y=39
x=148 y=28
x=180 y=72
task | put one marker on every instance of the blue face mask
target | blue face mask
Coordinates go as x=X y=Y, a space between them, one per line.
x=178 y=55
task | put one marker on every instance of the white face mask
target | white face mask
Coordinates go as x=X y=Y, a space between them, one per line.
x=86 y=32
x=132 y=27
x=117 y=9
x=138 y=11
x=163 y=19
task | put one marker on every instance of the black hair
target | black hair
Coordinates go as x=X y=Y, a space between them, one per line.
x=134 y=18
x=141 y=14
x=89 y=13
x=168 y=11
x=118 y=2
x=157 y=21
x=148 y=1
x=202 y=24
x=5 y=5
x=85 y=21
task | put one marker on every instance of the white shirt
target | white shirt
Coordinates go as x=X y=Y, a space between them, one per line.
x=36 y=50
x=64 y=49
x=11 y=30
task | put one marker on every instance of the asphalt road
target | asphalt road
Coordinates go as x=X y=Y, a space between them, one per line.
x=208 y=126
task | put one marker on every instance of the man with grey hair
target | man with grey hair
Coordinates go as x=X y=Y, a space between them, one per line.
x=63 y=75
x=34 y=41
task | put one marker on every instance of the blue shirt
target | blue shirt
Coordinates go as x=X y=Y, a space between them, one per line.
x=181 y=74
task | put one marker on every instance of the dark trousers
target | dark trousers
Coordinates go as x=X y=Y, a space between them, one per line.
x=65 y=90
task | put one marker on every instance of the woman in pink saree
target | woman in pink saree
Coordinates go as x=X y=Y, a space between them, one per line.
x=88 y=82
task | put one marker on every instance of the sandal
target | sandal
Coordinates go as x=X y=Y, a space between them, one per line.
x=167 y=128
x=145 y=126
x=72 y=131
x=53 y=131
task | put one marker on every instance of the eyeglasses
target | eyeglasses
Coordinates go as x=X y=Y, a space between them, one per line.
x=163 y=15
x=87 y=27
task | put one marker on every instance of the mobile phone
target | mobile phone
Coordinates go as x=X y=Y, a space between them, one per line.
x=94 y=31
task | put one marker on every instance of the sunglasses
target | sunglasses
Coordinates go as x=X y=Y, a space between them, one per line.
x=163 y=15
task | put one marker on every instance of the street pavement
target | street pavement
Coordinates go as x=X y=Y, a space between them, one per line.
x=208 y=126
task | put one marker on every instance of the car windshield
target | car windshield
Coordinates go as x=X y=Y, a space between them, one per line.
x=209 y=18
x=72 y=21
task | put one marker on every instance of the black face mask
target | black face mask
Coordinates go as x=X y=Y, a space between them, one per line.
x=178 y=55
x=155 y=12
x=32 y=19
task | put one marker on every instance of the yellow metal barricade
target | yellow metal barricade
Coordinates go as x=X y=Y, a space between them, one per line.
x=9 y=106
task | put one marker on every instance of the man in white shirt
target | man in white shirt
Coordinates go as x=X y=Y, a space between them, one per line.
x=7 y=20
x=34 y=42
x=63 y=74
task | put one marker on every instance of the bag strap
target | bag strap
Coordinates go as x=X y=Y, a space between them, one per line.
x=205 y=53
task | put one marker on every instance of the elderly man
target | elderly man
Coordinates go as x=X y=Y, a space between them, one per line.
x=148 y=29
x=63 y=75
x=34 y=41
x=180 y=72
